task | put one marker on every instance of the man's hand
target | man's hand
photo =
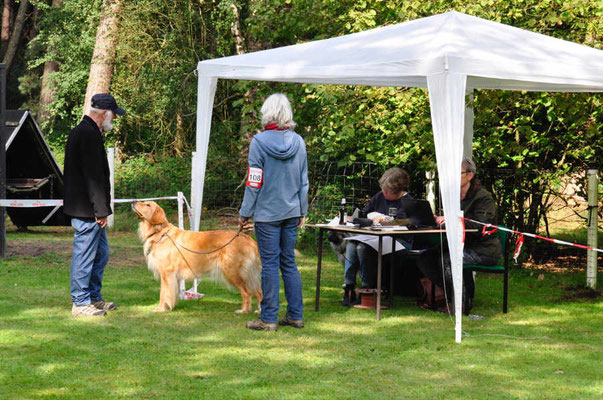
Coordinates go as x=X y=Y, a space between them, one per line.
x=439 y=220
x=301 y=222
x=243 y=222
x=101 y=221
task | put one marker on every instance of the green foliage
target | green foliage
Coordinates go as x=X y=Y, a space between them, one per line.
x=161 y=41
x=66 y=35
x=152 y=176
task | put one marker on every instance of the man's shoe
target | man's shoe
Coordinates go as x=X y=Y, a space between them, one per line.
x=105 y=305
x=87 y=311
x=296 y=323
x=259 y=325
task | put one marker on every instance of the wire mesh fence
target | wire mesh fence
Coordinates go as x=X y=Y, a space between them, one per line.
x=527 y=201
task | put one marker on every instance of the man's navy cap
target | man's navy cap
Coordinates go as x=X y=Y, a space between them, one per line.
x=104 y=101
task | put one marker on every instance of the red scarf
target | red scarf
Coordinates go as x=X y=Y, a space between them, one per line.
x=273 y=127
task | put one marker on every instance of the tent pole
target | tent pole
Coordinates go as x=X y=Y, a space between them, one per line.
x=205 y=99
x=447 y=104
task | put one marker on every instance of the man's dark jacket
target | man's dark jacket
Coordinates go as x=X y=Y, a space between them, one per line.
x=87 y=187
x=480 y=206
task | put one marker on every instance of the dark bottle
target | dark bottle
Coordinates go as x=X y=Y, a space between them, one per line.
x=342 y=212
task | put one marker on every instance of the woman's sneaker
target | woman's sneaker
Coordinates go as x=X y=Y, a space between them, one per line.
x=105 y=305
x=88 y=310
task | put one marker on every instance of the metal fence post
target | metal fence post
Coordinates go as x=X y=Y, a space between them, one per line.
x=111 y=159
x=180 y=210
x=430 y=189
x=593 y=219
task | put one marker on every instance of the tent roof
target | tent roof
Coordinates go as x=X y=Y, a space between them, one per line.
x=492 y=55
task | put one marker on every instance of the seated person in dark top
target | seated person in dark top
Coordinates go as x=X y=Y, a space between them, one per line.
x=477 y=204
x=361 y=257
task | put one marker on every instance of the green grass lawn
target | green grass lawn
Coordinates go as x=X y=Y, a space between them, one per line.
x=546 y=347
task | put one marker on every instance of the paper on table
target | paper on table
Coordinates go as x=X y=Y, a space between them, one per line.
x=393 y=228
x=335 y=222
x=373 y=241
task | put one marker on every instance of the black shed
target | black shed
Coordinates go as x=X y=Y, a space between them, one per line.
x=31 y=171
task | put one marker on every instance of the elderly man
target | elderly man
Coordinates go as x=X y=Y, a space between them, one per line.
x=87 y=200
x=477 y=204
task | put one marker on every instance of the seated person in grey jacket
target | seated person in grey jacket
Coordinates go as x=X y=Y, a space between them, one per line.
x=361 y=257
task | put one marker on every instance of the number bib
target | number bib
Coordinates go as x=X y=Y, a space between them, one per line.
x=255 y=177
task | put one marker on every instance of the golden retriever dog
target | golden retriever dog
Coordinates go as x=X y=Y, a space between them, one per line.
x=174 y=254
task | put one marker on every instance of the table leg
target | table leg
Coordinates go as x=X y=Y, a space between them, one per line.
x=379 y=258
x=318 y=268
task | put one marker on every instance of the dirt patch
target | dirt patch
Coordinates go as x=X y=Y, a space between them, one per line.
x=580 y=292
x=127 y=257
x=121 y=256
x=37 y=248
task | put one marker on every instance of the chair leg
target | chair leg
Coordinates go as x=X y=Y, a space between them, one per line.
x=505 y=290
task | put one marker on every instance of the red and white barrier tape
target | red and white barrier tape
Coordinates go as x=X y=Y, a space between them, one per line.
x=25 y=203
x=520 y=238
x=28 y=203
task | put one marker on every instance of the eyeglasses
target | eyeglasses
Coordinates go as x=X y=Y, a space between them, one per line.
x=465 y=172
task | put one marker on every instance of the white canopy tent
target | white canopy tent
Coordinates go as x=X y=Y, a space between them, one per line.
x=450 y=54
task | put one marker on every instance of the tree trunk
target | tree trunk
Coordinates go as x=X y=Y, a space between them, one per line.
x=245 y=126
x=47 y=92
x=6 y=17
x=236 y=30
x=101 y=66
x=15 y=37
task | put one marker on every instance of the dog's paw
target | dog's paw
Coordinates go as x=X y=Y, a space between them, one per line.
x=160 y=309
x=257 y=311
x=241 y=311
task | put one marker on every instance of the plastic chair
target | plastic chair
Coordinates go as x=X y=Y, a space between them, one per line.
x=497 y=269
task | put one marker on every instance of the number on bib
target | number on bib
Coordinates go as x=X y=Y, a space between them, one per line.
x=255 y=177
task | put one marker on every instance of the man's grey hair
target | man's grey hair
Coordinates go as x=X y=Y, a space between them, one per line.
x=98 y=110
x=468 y=165
x=277 y=110
x=395 y=180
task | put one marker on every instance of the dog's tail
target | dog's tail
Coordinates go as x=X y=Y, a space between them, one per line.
x=252 y=268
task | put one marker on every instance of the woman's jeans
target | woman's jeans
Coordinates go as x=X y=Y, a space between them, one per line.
x=276 y=243
x=90 y=255
x=358 y=256
x=362 y=257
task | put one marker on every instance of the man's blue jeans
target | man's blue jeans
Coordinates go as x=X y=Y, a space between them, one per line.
x=276 y=242
x=90 y=255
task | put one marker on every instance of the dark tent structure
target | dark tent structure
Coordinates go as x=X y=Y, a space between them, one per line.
x=31 y=171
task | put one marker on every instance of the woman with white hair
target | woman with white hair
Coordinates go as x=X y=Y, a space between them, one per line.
x=276 y=196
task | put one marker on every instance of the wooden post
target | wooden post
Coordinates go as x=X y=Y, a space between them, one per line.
x=111 y=159
x=591 y=256
x=2 y=159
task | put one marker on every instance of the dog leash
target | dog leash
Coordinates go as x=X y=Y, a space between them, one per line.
x=203 y=252
x=178 y=245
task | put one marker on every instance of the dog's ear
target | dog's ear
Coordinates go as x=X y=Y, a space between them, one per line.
x=158 y=216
